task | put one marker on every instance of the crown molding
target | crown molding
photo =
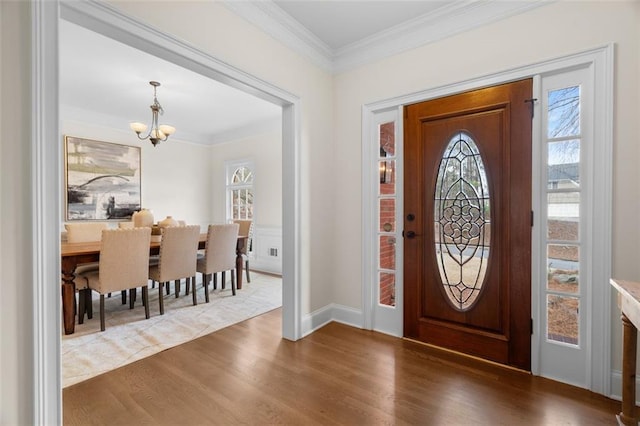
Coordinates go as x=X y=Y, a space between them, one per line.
x=450 y=20
x=267 y=16
x=447 y=21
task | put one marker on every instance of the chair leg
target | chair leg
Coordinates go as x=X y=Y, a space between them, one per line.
x=132 y=297
x=160 y=297
x=102 y=325
x=88 y=303
x=193 y=292
x=233 y=282
x=186 y=286
x=124 y=297
x=223 y=282
x=145 y=300
x=246 y=268
x=177 y=284
x=205 y=284
x=81 y=305
x=168 y=287
x=215 y=281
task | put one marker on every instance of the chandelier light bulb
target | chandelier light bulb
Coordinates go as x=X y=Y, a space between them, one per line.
x=138 y=127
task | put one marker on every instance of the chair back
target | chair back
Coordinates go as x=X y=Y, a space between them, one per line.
x=178 y=252
x=84 y=232
x=124 y=259
x=245 y=230
x=126 y=225
x=220 y=251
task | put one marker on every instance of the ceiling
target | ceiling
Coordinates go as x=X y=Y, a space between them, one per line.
x=340 y=23
x=105 y=82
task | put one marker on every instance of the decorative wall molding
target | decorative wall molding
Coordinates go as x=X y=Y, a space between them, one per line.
x=266 y=254
x=447 y=21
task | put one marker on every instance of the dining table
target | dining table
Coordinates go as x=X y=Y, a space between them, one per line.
x=74 y=254
x=629 y=304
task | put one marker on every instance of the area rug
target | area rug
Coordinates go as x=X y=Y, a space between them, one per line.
x=129 y=336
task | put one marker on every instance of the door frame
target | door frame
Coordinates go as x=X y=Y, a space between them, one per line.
x=46 y=164
x=601 y=58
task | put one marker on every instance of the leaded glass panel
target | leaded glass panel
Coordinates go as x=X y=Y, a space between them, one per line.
x=461 y=221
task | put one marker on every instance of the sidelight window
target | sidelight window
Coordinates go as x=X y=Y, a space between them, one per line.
x=563 y=202
x=387 y=215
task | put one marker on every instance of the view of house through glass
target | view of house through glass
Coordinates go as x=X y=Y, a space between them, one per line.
x=387 y=216
x=563 y=215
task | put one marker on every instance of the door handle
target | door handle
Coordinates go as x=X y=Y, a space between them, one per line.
x=411 y=234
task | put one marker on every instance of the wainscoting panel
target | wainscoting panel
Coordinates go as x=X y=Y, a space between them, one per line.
x=266 y=254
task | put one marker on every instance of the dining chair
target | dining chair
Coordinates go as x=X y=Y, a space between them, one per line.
x=84 y=232
x=219 y=254
x=246 y=229
x=177 y=259
x=126 y=225
x=123 y=265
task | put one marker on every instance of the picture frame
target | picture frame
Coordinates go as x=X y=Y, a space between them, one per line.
x=102 y=180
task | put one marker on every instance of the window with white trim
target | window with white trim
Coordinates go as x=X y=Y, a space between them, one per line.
x=240 y=179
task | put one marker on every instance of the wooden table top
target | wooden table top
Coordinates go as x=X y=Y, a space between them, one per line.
x=629 y=288
x=75 y=249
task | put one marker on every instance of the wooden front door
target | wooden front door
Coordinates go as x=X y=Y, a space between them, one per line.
x=467 y=225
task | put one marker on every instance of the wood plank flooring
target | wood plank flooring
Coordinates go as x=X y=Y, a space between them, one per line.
x=247 y=374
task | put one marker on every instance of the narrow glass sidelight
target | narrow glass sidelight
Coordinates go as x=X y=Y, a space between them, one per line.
x=386 y=229
x=462 y=215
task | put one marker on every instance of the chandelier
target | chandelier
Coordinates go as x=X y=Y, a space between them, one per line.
x=157 y=133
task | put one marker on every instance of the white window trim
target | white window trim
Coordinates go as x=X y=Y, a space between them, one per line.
x=578 y=372
x=230 y=167
x=382 y=318
x=601 y=58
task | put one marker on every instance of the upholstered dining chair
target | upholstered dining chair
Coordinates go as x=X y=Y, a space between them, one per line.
x=219 y=254
x=126 y=225
x=84 y=232
x=246 y=229
x=123 y=265
x=177 y=259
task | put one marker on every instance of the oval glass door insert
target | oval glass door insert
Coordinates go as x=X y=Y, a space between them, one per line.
x=462 y=221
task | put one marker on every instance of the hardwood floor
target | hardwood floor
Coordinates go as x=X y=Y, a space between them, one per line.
x=338 y=375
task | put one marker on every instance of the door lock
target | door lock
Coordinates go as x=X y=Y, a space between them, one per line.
x=411 y=234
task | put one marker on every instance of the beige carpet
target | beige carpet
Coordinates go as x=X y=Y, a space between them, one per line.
x=129 y=336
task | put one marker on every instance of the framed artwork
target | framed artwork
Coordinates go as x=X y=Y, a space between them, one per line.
x=102 y=180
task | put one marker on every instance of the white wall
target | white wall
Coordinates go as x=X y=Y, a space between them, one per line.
x=16 y=378
x=264 y=150
x=554 y=30
x=214 y=29
x=176 y=175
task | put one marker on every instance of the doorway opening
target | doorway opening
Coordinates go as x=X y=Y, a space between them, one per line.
x=110 y=22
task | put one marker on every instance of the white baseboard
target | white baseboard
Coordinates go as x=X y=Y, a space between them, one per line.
x=332 y=312
x=616 y=386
